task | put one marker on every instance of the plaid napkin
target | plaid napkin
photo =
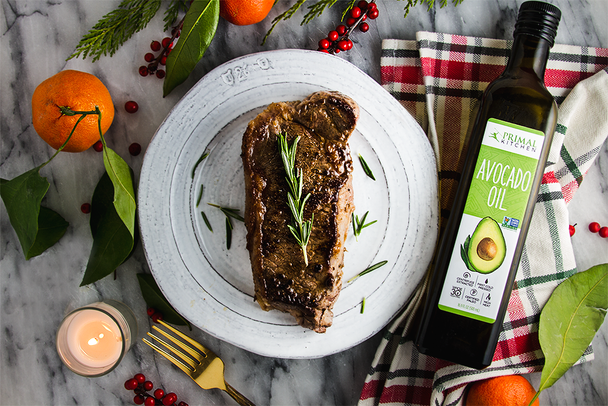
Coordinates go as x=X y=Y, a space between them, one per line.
x=439 y=79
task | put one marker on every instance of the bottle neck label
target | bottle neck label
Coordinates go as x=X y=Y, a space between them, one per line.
x=491 y=223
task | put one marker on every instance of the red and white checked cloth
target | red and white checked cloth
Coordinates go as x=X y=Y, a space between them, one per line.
x=439 y=79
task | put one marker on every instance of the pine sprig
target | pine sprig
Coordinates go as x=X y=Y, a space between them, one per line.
x=301 y=229
x=115 y=28
x=430 y=4
x=175 y=8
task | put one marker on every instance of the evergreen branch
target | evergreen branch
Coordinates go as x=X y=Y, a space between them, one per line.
x=283 y=16
x=430 y=4
x=172 y=12
x=115 y=28
x=300 y=229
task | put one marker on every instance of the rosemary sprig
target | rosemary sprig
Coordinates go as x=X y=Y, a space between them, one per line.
x=234 y=213
x=363 y=305
x=359 y=225
x=366 y=168
x=301 y=229
x=367 y=270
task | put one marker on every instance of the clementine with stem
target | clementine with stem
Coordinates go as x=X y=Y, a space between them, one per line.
x=76 y=92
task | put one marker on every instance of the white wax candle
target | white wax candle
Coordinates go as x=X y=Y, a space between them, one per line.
x=94 y=339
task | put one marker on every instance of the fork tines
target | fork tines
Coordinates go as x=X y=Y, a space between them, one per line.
x=190 y=352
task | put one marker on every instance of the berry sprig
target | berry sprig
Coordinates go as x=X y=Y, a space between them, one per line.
x=154 y=314
x=142 y=387
x=165 y=46
x=339 y=39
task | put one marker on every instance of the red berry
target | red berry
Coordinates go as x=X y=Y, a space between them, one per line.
x=341 y=29
x=139 y=400
x=169 y=399
x=149 y=57
x=364 y=27
x=333 y=35
x=604 y=232
x=134 y=149
x=372 y=6
x=98 y=146
x=373 y=14
x=131 y=384
x=148 y=385
x=163 y=60
x=85 y=208
x=343 y=45
x=131 y=106
x=182 y=404
x=362 y=5
x=323 y=50
x=159 y=393
x=155 y=46
x=140 y=378
x=594 y=227
x=143 y=70
x=166 y=42
x=157 y=316
x=324 y=43
x=150 y=401
x=351 y=21
x=355 y=12
x=572 y=229
x=150 y=311
x=160 y=73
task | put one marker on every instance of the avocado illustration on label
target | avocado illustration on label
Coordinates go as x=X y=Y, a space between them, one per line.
x=485 y=249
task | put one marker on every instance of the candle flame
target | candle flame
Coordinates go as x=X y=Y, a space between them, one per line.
x=95 y=340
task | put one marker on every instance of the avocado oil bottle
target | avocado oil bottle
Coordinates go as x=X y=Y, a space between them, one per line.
x=478 y=257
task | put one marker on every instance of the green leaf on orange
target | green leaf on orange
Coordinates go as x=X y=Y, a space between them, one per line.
x=155 y=299
x=36 y=227
x=569 y=321
x=200 y=24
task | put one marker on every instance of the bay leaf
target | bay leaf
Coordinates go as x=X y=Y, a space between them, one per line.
x=200 y=24
x=124 y=194
x=112 y=240
x=155 y=299
x=36 y=229
x=570 y=319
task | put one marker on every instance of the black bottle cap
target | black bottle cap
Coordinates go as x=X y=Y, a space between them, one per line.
x=538 y=19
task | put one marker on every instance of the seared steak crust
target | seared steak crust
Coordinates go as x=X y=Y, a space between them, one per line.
x=324 y=121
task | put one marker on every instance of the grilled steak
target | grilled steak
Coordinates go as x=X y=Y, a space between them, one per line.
x=324 y=121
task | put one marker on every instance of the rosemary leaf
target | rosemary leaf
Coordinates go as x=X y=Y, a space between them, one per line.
x=206 y=220
x=366 y=168
x=200 y=195
x=228 y=233
x=201 y=159
x=367 y=270
x=115 y=28
x=359 y=225
x=363 y=305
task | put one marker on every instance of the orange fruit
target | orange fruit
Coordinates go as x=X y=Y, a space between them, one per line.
x=79 y=91
x=245 y=12
x=509 y=390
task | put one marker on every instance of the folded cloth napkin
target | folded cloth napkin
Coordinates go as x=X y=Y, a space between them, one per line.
x=439 y=79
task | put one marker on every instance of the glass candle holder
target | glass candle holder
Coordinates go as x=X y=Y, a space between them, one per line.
x=92 y=340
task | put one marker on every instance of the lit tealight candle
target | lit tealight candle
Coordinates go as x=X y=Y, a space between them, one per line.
x=94 y=339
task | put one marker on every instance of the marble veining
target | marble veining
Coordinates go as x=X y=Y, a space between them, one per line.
x=38 y=36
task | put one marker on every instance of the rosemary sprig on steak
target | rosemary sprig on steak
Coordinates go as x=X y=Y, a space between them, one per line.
x=300 y=229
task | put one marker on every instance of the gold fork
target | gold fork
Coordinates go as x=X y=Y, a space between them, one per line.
x=198 y=362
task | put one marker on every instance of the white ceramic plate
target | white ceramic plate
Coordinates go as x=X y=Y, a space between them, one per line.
x=211 y=286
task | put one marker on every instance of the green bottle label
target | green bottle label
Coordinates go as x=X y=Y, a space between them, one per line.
x=491 y=223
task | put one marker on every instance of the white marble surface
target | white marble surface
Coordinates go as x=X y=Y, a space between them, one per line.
x=37 y=37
